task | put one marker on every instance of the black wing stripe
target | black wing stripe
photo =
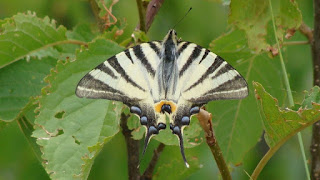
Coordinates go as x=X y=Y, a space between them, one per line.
x=229 y=86
x=220 y=96
x=102 y=67
x=216 y=63
x=127 y=52
x=141 y=56
x=183 y=47
x=113 y=61
x=195 y=53
x=90 y=83
x=204 y=56
x=223 y=70
x=155 y=48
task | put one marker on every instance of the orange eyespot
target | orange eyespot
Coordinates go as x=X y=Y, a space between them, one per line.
x=173 y=106
x=158 y=106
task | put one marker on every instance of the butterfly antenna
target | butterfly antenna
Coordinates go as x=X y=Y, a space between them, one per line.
x=182 y=17
x=182 y=150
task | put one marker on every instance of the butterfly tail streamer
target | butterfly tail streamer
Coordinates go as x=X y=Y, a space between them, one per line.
x=146 y=142
x=182 y=149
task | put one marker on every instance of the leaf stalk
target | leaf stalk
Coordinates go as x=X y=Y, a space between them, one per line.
x=205 y=119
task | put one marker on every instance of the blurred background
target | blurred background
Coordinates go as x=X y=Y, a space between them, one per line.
x=207 y=21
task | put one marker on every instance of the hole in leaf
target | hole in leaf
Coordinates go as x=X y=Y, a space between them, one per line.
x=59 y=115
x=60 y=132
x=76 y=140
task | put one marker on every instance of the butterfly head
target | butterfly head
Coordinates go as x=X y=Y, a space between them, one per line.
x=171 y=37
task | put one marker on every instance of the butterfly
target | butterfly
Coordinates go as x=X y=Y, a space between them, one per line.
x=156 y=79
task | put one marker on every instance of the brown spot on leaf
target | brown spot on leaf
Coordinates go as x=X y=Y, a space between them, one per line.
x=290 y=33
x=118 y=33
x=257 y=95
x=274 y=51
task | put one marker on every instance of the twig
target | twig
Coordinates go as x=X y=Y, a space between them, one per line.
x=149 y=171
x=132 y=149
x=307 y=31
x=96 y=10
x=106 y=17
x=142 y=15
x=205 y=119
x=152 y=10
x=295 y=43
x=315 y=142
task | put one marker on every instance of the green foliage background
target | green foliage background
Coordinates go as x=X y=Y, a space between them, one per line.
x=206 y=22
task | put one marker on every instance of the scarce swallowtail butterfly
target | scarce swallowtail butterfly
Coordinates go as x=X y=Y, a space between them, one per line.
x=156 y=79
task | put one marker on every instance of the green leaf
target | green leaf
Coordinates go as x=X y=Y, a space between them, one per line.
x=71 y=131
x=138 y=130
x=312 y=97
x=237 y=123
x=281 y=124
x=82 y=32
x=254 y=17
x=223 y=2
x=171 y=164
x=25 y=122
x=140 y=36
x=191 y=135
x=19 y=81
x=3 y=125
x=24 y=34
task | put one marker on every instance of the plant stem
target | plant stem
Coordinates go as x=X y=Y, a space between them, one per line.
x=307 y=31
x=264 y=161
x=142 y=15
x=152 y=10
x=270 y=153
x=96 y=10
x=315 y=46
x=149 y=171
x=295 y=43
x=132 y=149
x=205 y=119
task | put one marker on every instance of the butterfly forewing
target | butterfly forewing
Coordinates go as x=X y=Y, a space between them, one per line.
x=208 y=77
x=126 y=77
